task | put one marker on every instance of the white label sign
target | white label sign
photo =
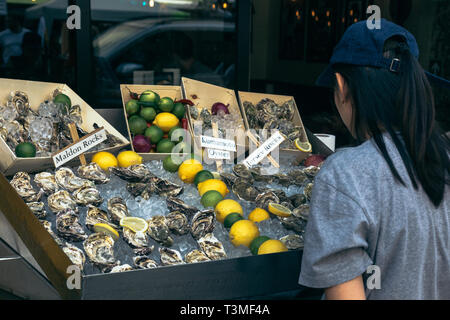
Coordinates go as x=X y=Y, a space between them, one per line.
x=218 y=154
x=267 y=147
x=76 y=149
x=217 y=143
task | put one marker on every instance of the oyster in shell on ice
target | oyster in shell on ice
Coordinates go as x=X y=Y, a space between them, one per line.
x=283 y=179
x=68 y=180
x=20 y=102
x=133 y=173
x=139 y=189
x=93 y=172
x=68 y=227
x=75 y=255
x=165 y=188
x=177 y=222
x=297 y=199
x=38 y=208
x=202 y=223
x=143 y=262
x=46 y=181
x=170 y=256
x=87 y=195
x=99 y=248
x=96 y=215
x=298 y=177
x=262 y=200
x=302 y=211
x=121 y=268
x=243 y=172
x=293 y=241
x=22 y=183
x=61 y=200
x=308 y=191
x=159 y=231
x=212 y=247
x=293 y=223
x=259 y=176
x=176 y=204
x=229 y=179
x=244 y=190
x=48 y=226
x=196 y=256
x=139 y=241
x=117 y=209
x=311 y=171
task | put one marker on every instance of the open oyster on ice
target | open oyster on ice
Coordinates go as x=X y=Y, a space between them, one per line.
x=133 y=173
x=96 y=215
x=143 y=262
x=121 y=268
x=176 y=204
x=159 y=231
x=212 y=247
x=196 y=256
x=60 y=201
x=139 y=241
x=75 y=255
x=202 y=223
x=177 y=222
x=68 y=227
x=87 y=195
x=93 y=172
x=170 y=256
x=38 y=208
x=117 y=209
x=99 y=249
x=46 y=181
x=48 y=226
x=68 y=180
x=22 y=183
x=293 y=241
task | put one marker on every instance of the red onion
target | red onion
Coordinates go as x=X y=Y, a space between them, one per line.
x=219 y=106
x=314 y=160
x=141 y=144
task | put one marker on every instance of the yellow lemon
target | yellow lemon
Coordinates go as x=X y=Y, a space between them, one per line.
x=243 y=232
x=166 y=121
x=128 y=158
x=188 y=169
x=258 y=215
x=212 y=184
x=225 y=207
x=272 y=246
x=136 y=224
x=106 y=229
x=303 y=146
x=279 y=210
x=105 y=160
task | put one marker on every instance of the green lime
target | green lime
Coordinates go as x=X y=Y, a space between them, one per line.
x=165 y=104
x=169 y=165
x=137 y=125
x=132 y=107
x=231 y=219
x=148 y=113
x=171 y=132
x=154 y=133
x=211 y=198
x=203 y=176
x=149 y=98
x=64 y=99
x=179 y=110
x=25 y=150
x=165 y=146
x=256 y=243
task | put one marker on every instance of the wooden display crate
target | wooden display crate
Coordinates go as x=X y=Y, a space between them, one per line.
x=173 y=92
x=39 y=92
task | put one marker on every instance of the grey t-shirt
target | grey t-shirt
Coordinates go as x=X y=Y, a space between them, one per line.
x=361 y=216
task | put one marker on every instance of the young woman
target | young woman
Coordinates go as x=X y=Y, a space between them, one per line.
x=386 y=202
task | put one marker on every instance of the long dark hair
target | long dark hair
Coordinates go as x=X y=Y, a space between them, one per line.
x=385 y=101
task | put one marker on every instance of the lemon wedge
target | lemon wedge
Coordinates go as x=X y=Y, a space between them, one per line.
x=303 y=146
x=106 y=229
x=279 y=210
x=134 y=223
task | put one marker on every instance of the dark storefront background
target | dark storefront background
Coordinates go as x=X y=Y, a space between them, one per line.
x=273 y=46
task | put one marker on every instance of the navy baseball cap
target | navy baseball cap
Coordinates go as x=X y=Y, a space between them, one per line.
x=362 y=46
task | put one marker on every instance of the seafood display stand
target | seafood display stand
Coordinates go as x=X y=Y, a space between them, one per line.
x=36 y=266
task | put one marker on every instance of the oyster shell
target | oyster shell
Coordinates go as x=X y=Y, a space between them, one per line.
x=166 y=188
x=21 y=182
x=66 y=179
x=68 y=227
x=99 y=249
x=311 y=171
x=283 y=179
x=20 y=101
x=175 y=204
x=308 y=191
x=202 y=223
x=244 y=190
x=46 y=181
x=170 y=256
x=260 y=177
x=96 y=215
x=212 y=247
x=139 y=189
x=38 y=208
x=263 y=200
x=196 y=256
x=87 y=195
x=117 y=209
x=302 y=211
x=48 y=226
x=297 y=199
x=93 y=172
x=139 y=241
x=61 y=200
x=243 y=172
x=75 y=255
x=121 y=268
x=159 y=231
x=293 y=223
x=298 y=177
x=143 y=262
x=229 y=179
x=133 y=173
x=293 y=241
x=177 y=222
